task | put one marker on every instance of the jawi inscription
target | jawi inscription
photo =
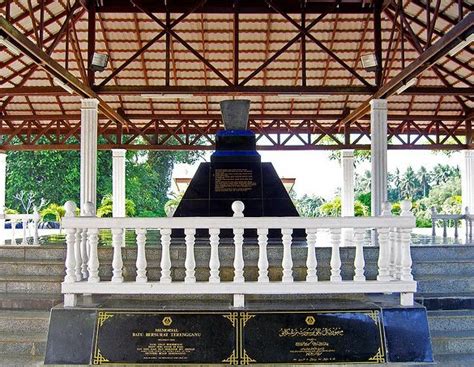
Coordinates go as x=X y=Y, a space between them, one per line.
x=234 y=180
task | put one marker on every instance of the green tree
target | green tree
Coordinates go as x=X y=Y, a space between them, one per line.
x=409 y=183
x=308 y=205
x=105 y=208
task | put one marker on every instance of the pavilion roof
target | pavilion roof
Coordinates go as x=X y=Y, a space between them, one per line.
x=348 y=33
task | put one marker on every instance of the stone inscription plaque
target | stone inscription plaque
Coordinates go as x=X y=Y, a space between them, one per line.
x=234 y=180
x=300 y=337
x=151 y=337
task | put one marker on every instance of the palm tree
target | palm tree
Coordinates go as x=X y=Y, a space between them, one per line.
x=424 y=178
x=397 y=183
x=409 y=183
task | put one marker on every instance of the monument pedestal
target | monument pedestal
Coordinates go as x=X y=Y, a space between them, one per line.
x=303 y=333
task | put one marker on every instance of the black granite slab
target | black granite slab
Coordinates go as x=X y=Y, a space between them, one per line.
x=294 y=332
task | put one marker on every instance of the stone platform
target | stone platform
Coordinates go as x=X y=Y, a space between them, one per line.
x=306 y=331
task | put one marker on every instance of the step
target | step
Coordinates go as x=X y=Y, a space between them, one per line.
x=449 y=341
x=455 y=360
x=33 y=252
x=455 y=320
x=28 y=344
x=448 y=267
x=22 y=361
x=445 y=284
x=24 y=321
x=446 y=301
x=30 y=284
x=29 y=301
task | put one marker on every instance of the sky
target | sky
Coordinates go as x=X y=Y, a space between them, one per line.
x=316 y=174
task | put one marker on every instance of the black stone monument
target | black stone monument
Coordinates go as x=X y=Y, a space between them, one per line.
x=236 y=172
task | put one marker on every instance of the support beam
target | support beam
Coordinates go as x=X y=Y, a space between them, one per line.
x=89 y=116
x=53 y=68
x=118 y=182
x=467 y=175
x=378 y=149
x=426 y=59
x=3 y=177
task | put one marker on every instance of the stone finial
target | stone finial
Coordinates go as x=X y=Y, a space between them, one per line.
x=235 y=113
x=466 y=210
x=386 y=209
x=433 y=210
x=89 y=210
x=405 y=206
x=238 y=209
x=70 y=207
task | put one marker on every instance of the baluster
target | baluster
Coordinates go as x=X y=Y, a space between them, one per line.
x=190 y=262
x=393 y=253
x=36 y=219
x=311 y=260
x=165 y=255
x=456 y=229
x=117 y=262
x=141 y=256
x=70 y=277
x=77 y=255
x=93 y=265
x=445 y=231
x=287 y=262
x=24 y=224
x=13 y=224
x=398 y=254
x=84 y=254
x=335 y=234
x=383 y=262
x=214 y=263
x=238 y=209
x=433 y=221
x=405 y=236
x=238 y=255
x=262 y=255
x=359 y=261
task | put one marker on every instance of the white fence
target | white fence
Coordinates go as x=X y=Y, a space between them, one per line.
x=29 y=228
x=394 y=260
x=455 y=218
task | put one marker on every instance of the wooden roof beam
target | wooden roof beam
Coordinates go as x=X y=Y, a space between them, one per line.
x=426 y=59
x=53 y=68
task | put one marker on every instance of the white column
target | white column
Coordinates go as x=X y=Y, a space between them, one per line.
x=89 y=116
x=118 y=182
x=378 y=149
x=347 y=193
x=467 y=174
x=3 y=178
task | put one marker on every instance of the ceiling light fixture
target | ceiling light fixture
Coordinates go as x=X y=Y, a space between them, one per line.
x=406 y=85
x=167 y=95
x=63 y=85
x=369 y=62
x=461 y=45
x=99 y=62
x=10 y=46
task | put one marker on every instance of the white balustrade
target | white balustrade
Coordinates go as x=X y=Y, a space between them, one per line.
x=27 y=221
x=394 y=261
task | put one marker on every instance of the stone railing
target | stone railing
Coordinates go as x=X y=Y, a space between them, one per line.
x=394 y=260
x=455 y=218
x=29 y=228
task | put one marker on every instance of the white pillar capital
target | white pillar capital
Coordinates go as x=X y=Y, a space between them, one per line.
x=89 y=104
x=119 y=152
x=347 y=153
x=378 y=104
